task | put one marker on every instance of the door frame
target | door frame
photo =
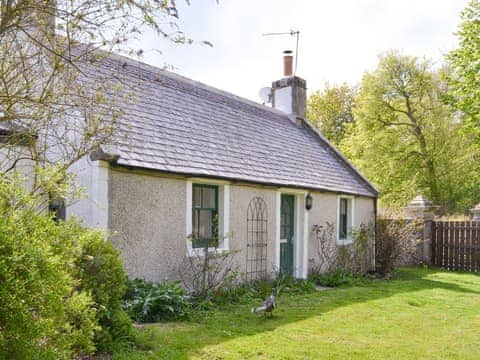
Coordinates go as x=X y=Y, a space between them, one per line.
x=301 y=233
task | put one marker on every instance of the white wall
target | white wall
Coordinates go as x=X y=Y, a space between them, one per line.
x=24 y=167
x=92 y=207
x=325 y=209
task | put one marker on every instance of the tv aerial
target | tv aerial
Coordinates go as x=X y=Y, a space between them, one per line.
x=292 y=32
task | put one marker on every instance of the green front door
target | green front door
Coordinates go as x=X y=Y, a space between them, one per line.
x=287 y=216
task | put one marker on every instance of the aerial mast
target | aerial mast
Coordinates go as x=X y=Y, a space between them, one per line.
x=292 y=32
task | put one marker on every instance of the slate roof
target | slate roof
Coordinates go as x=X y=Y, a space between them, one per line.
x=176 y=125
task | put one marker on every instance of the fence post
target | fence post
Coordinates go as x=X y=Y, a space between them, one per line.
x=423 y=210
x=476 y=213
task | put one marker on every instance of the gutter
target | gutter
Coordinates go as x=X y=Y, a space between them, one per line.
x=115 y=164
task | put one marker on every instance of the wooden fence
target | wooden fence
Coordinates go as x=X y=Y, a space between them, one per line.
x=456 y=245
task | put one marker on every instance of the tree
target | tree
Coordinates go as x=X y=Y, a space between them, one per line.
x=331 y=110
x=56 y=106
x=54 y=109
x=463 y=78
x=407 y=141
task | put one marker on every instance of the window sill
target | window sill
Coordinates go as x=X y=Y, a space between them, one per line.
x=344 y=242
x=201 y=251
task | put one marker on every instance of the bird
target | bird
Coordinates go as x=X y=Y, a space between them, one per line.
x=268 y=305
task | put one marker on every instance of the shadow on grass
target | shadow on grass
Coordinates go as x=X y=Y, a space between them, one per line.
x=178 y=340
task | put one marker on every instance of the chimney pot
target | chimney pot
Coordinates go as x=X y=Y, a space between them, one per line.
x=287 y=63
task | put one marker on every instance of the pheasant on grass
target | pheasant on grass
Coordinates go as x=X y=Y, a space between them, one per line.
x=268 y=305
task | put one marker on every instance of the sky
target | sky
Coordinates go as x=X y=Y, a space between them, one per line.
x=339 y=39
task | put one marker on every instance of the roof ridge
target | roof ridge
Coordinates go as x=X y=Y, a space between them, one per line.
x=270 y=163
x=179 y=77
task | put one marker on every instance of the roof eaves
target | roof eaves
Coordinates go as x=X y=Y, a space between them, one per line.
x=115 y=164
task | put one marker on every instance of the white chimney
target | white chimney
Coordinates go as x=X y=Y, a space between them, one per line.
x=289 y=94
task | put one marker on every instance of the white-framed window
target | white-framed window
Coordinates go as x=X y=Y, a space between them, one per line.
x=207 y=215
x=345 y=215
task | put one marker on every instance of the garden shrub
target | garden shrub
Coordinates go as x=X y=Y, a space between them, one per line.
x=286 y=283
x=101 y=272
x=206 y=271
x=354 y=259
x=61 y=285
x=258 y=290
x=393 y=237
x=150 y=302
x=42 y=314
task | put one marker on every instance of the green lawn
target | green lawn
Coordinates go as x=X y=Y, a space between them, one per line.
x=419 y=314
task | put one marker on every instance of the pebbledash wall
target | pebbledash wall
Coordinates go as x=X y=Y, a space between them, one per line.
x=148 y=221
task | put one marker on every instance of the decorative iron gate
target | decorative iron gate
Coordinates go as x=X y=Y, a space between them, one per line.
x=257 y=225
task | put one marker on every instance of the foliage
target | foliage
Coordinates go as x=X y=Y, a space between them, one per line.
x=362 y=249
x=151 y=302
x=256 y=290
x=407 y=141
x=42 y=313
x=354 y=259
x=61 y=285
x=331 y=110
x=377 y=320
x=464 y=62
x=52 y=102
x=206 y=270
x=101 y=272
x=325 y=246
x=392 y=239
x=285 y=283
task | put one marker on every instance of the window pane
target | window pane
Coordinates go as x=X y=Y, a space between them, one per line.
x=343 y=206
x=209 y=198
x=204 y=206
x=197 y=196
x=343 y=228
x=205 y=224
x=195 y=224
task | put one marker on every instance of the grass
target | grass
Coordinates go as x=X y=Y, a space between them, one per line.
x=421 y=313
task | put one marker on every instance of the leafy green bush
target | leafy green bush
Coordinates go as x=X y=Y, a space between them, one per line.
x=101 y=272
x=149 y=302
x=285 y=283
x=61 y=286
x=42 y=313
x=334 y=278
x=303 y=287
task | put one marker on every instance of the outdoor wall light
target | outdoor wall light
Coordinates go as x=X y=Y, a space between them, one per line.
x=308 y=202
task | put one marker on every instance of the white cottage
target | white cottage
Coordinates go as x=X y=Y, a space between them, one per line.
x=196 y=165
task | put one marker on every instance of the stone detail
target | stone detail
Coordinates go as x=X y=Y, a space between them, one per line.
x=107 y=152
x=297 y=97
x=411 y=253
x=475 y=212
x=422 y=209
